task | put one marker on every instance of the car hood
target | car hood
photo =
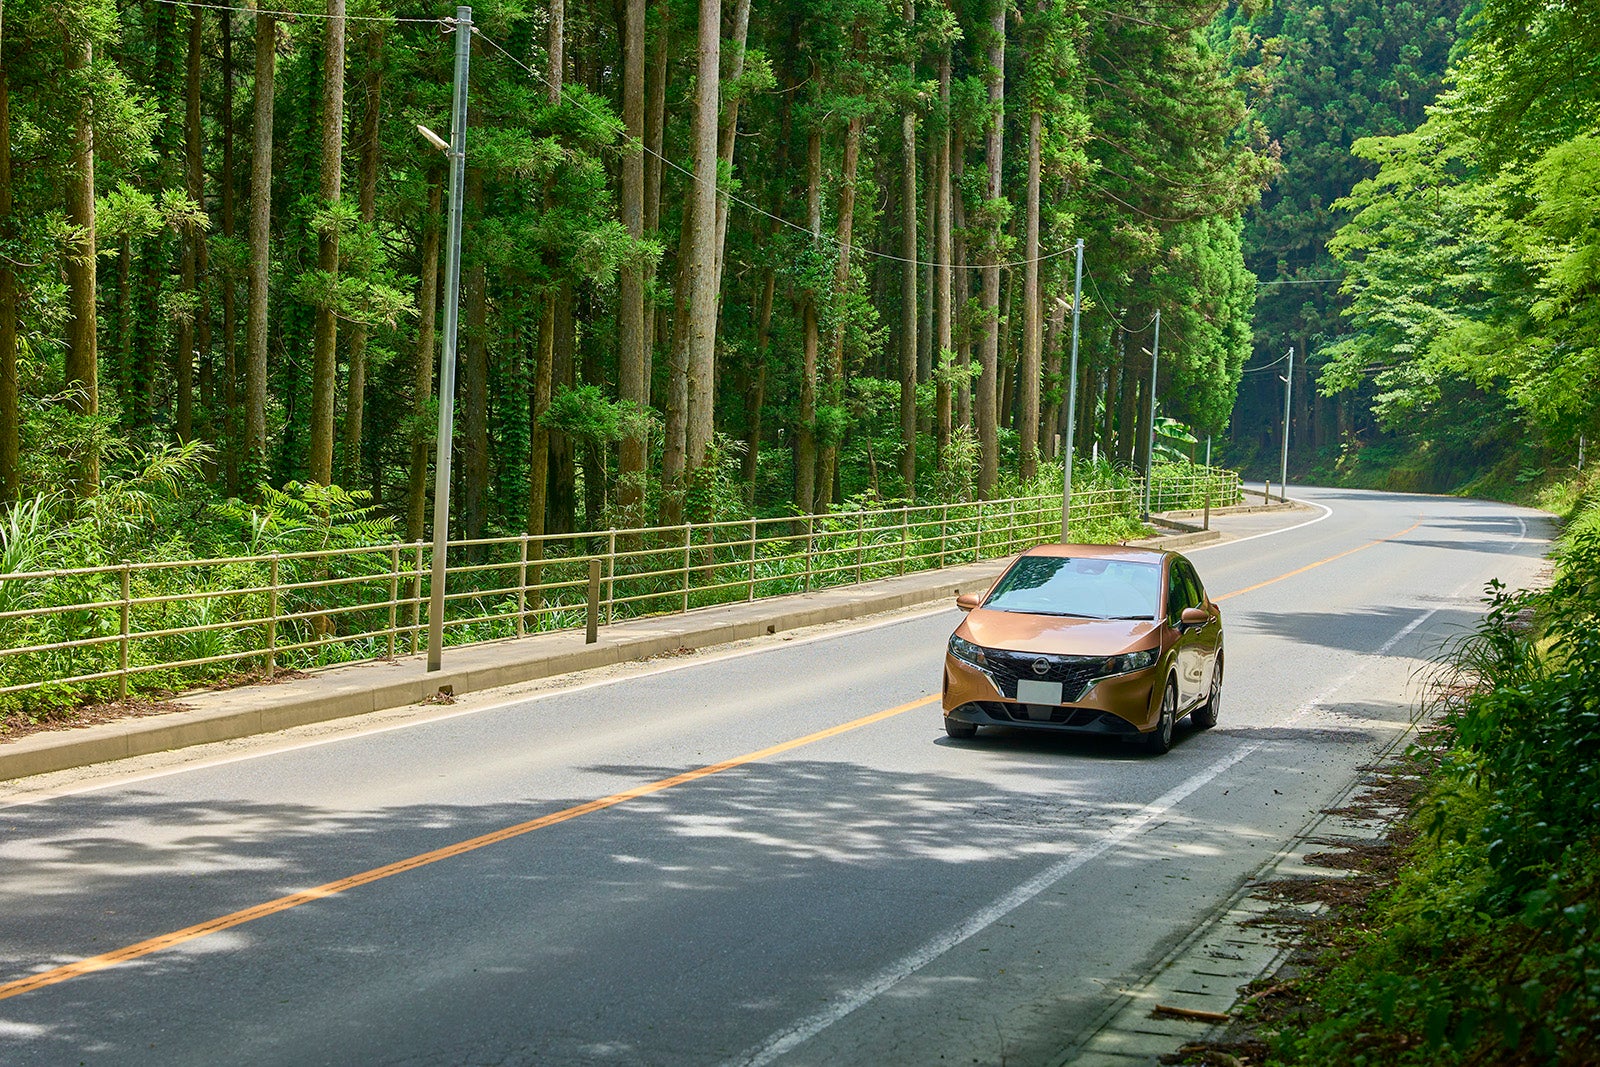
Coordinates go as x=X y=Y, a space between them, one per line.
x=1055 y=635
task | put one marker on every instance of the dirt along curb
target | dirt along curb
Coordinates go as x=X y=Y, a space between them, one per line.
x=357 y=689
x=1191 y=1003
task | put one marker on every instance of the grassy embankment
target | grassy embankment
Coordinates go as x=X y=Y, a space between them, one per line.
x=1483 y=950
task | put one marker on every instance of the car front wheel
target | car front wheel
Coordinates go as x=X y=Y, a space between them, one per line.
x=1205 y=716
x=1159 y=740
x=961 y=731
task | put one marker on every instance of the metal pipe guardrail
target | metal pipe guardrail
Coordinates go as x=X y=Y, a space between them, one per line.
x=168 y=625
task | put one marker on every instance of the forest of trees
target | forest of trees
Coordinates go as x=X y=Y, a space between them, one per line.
x=221 y=240
x=1433 y=243
x=1331 y=73
x=1472 y=256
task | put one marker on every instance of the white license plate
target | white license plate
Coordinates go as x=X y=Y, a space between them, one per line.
x=1032 y=692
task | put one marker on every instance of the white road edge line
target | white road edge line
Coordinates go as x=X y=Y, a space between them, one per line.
x=29 y=798
x=784 y=1040
x=807 y=1028
x=1326 y=511
x=355 y=731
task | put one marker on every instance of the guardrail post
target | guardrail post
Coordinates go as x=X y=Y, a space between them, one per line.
x=122 y=651
x=1207 y=524
x=905 y=537
x=611 y=573
x=688 y=540
x=977 y=548
x=394 y=594
x=416 y=598
x=861 y=542
x=592 y=629
x=944 y=520
x=1011 y=528
x=272 y=620
x=522 y=589
x=811 y=547
x=750 y=586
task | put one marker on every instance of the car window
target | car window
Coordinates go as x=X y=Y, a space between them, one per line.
x=1183 y=589
x=1177 y=593
x=1087 y=587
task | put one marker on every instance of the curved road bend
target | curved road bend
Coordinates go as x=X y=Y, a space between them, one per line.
x=774 y=856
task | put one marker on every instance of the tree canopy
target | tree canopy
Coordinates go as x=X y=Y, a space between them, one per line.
x=782 y=254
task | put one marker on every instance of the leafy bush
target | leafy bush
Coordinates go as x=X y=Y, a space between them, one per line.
x=1487 y=950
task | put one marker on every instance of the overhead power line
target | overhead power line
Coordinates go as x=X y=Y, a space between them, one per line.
x=448 y=24
x=757 y=209
x=285 y=14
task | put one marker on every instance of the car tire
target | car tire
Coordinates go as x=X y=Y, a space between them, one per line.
x=1159 y=740
x=960 y=731
x=1205 y=716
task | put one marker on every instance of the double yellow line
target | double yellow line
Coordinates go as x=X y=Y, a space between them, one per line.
x=163 y=942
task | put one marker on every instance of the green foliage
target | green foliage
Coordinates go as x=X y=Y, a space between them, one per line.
x=1486 y=952
x=1322 y=77
x=306 y=517
x=1472 y=255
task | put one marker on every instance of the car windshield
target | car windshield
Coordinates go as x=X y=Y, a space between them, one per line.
x=1087 y=587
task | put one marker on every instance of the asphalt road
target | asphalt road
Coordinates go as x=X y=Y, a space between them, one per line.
x=766 y=855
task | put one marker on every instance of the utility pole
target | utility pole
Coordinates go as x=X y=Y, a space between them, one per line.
x=1072 y=402
x=1283 y=470
x=457 y=151
x=1150 y=443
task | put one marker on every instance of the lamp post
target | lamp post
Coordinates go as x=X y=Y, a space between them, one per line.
x=1288 y=390
x=1150 y=441
x=456 y=150
x=1072 y=402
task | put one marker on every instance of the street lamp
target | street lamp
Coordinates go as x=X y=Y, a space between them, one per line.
x=1283 y=470
x=1072 y=403
x=456 y=150
x=1150 y=442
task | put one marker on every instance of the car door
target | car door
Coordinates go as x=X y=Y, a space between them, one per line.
x=1188 y=658
x=1208 y=638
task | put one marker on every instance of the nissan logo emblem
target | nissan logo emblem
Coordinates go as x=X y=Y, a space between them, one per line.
x=1041 y=666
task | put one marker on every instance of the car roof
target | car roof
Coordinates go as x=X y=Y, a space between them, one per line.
x=1120 y=552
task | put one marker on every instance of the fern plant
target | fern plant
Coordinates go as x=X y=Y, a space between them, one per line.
x=307 y=517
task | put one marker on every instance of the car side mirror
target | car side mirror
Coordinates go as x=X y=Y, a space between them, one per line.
x=1193 y=617
x=968 y=601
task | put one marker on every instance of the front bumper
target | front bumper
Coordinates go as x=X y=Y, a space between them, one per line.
x=1121 y=704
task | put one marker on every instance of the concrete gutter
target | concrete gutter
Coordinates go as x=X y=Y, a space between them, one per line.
x=357 y=689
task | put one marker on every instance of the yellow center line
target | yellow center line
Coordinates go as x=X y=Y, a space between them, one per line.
x=1319 y=563
x=322 y=892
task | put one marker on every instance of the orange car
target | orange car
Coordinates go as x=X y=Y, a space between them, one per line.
x=1097 y=639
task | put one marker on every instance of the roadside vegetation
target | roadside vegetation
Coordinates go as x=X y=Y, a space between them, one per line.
x=219 y=592
x=1432 y=249
x=1483 y=950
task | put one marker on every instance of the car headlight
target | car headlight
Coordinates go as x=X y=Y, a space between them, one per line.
x=1131 y=661
x=967 y=652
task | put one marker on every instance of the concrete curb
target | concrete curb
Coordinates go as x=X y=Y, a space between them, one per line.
x=1238 y=944
x=1232 y=509
x=357 y=689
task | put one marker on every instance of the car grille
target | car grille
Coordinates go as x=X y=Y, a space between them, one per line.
x=1075 y=718
x=1075 y=673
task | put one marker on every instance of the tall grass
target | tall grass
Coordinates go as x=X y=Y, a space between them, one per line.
x=1488 y=951
x=343 y=591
